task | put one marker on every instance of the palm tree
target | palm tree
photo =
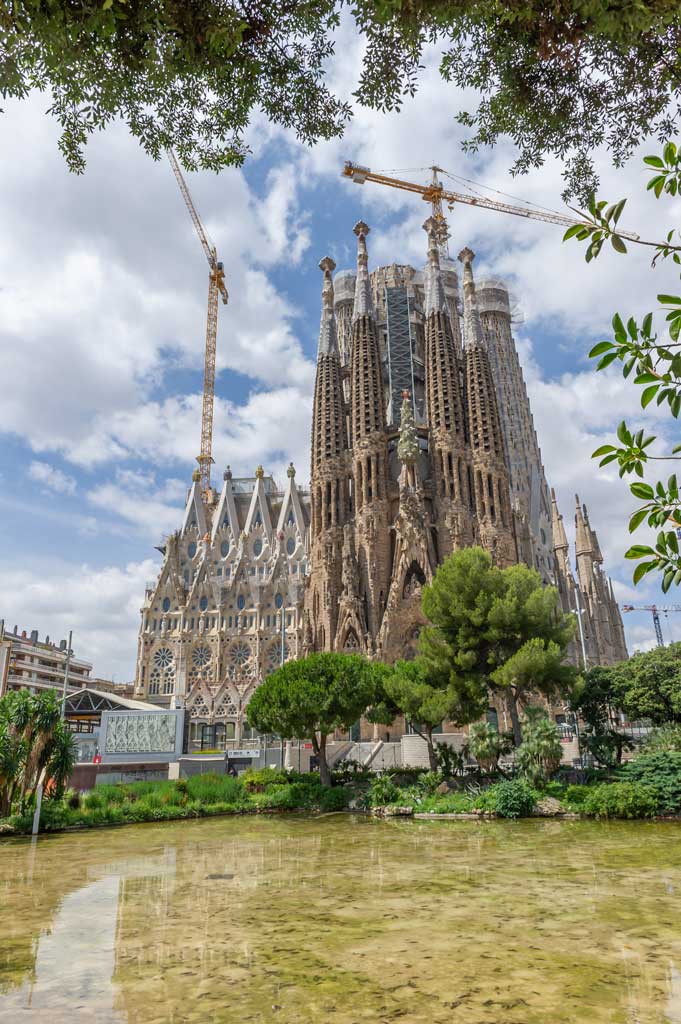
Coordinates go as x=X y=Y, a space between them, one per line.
x=487 y=745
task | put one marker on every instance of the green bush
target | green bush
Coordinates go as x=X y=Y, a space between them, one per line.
x=258 y=780
x=662 y=771
x=510 y=799
x=621 y=800
x=335 y=799
x=383 y=791
x=574 y=796
x=667 y=737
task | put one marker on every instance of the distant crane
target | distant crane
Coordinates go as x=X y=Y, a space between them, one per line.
x=436 y=195
x=216 y=283
x=656 y=615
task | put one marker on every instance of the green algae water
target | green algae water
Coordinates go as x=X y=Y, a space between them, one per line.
x=342 y=919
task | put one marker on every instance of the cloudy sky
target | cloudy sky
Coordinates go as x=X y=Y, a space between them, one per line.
x=102 y=318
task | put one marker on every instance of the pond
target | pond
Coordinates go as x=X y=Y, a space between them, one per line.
x=345 y=920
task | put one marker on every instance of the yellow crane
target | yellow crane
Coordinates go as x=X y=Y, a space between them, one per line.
x=435 y=194
x=216 y=285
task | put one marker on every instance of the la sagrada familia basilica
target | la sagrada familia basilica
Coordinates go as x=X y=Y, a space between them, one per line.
x=422 y=443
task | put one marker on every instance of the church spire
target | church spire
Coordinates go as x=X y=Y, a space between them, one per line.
x=367 y=406
x=435 y=301
x=328 y=342
x=329 y=439
x=472 y=328
x=583 y=544
x=364 y=304
x=560 y=541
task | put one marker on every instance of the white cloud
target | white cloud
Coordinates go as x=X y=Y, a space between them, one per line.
x=51 y=478
x=100 y=605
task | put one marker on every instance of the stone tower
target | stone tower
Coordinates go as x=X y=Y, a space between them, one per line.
x=440 y=453
x=418 y=489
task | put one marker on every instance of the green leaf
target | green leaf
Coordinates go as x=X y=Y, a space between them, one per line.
x=657 y=188
x=610 y=357
x=643 y=491
x=649 y=394
x=618 y=244
x=669 y=153
x=618 y=326
x=642 y=569
x=608 y=459
x=605 y=449
x=601 y=347
x=637 y=519
x=623 y=434
x=653 y=161
x=576 y=229
x=647 y=324
x=669 y=300
x=639 y=551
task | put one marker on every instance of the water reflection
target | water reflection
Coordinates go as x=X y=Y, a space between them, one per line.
x=261 y=919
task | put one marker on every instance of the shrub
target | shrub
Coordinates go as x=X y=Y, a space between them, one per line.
x=72 y=799
x=621 y=800
x=258 y=780
x=662 y=771
x=509 y=799
x=429 y=781
x=335 y=799
x=383 y=791
x=575 y=796
x=666 y=738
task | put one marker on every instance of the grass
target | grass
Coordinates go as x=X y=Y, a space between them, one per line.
x=205 y=795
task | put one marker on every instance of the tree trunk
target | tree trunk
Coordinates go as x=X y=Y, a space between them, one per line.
x=324 y=773
x=512 y=708
x=432 y=756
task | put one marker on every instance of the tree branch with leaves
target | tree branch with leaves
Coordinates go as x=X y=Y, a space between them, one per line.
x=652 y=362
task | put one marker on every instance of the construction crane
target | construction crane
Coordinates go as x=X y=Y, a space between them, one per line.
x=655 y=609
x=435 y=194
x=216 y=284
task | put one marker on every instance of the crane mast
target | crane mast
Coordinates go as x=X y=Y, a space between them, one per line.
x=436 y=195
x=216 y=287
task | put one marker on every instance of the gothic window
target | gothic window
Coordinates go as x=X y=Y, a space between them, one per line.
x=199 y=707
x=278 y=600
x=258 y=518
x=224 y=548
x=290 y=545
x=203 y=604
x=290 y=521
x=199 y=665
x=226 y=707
x=166 y=604
x=351 y=641
x=162 y=678
x=241 y=602
x=191 y=550
x=257 y=547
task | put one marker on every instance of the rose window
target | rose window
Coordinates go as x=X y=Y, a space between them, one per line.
x=274 y=656
x=239 y=657
x=162 y=678
x=200 y=662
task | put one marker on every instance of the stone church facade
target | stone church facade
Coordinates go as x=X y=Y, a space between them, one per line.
x=422 y=443
x=227 y=606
